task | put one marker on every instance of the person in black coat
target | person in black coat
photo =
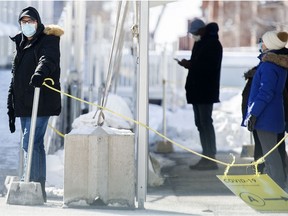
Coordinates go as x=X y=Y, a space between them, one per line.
x=202 y=85
x=37 y=57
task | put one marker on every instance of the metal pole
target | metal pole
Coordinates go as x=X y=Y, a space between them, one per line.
x=91 y=41
x=165 y=78
x=142 y=104
x=164 y=109
x=32 y=132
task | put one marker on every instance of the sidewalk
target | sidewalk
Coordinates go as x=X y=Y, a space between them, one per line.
x=185 y=192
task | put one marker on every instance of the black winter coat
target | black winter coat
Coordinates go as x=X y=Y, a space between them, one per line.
x=246 y=91
x=41 y=55
x=203 y=79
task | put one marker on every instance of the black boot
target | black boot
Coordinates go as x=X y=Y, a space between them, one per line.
x=42 y=182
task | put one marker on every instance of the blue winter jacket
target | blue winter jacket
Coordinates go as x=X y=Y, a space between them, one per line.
x=266 y=95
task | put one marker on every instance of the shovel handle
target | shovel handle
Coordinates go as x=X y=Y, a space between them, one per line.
x=32 y=133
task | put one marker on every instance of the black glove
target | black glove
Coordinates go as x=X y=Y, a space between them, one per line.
x=251 y=122
x=11 y=120
x=184 y=63
x=36 y=80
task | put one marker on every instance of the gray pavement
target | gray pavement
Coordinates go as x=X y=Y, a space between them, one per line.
x=185 y=192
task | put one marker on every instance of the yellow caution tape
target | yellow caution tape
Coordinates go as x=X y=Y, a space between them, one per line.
x=228 y=165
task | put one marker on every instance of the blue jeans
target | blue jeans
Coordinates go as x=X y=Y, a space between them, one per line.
x=204 y=124
x=38 y=165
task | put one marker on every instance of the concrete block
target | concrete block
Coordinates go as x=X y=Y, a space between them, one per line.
x=75 y=166
x=25 y=193
x=99 y=164
x=121 y=169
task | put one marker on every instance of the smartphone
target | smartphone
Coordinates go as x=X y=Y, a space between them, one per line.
x=177 y=60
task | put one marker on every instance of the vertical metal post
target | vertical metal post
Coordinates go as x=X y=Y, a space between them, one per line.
x=32 y=133
x=142 y=104
x=21 y=158
x=79 y=40
x=75 y=106
x=164 y=82
x=80 y=21
x=90 y=57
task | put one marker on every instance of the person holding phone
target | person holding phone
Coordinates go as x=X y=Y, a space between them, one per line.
x=202 y=85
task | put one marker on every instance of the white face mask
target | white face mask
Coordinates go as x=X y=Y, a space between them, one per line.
x=28 y=29
x=196 y=38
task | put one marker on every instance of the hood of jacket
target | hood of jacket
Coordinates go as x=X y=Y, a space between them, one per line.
x=33 y=11
x=40 y=26
x=212 y=30
x=53 y=30
x=278 y=59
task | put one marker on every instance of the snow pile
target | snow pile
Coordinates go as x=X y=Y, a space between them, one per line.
x=230 y=136
x=115 y=104
x=55 y=168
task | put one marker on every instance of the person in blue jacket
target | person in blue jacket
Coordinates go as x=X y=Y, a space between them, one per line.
x=265 y=110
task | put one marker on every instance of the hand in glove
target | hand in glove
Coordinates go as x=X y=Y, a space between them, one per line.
x=11 y=120
x=36 y=80
x=184 y=63
x=251 y=122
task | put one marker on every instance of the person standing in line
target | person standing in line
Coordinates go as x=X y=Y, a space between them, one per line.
x=202 y=85
x=265 y=108
x=258 y=153
x=37 y=57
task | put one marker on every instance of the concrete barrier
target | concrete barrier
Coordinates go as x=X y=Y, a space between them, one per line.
x=99 y=164
x=24 y=193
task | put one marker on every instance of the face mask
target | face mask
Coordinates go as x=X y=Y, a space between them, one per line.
x=196 y=38
x=28 y=29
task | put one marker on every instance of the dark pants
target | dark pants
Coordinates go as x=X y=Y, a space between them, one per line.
x=273 y=163
x=204 y=124
x=281 y=148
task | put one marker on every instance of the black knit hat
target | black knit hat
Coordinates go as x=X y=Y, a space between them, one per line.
x=30 y=12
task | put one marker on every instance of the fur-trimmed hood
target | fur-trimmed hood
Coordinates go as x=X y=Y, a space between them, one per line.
x=53 y=30
x=278 y=59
